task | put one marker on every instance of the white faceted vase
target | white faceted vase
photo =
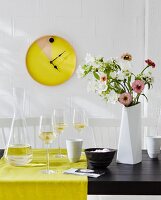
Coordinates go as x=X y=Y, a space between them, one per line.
x=130 y=145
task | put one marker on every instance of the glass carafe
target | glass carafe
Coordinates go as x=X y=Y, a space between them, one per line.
x=18 y=151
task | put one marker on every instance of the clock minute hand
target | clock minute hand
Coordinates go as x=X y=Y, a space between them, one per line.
x=57 y=57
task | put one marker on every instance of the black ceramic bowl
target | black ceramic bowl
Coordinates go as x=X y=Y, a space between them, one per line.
x=99 y=160
x=1 y=153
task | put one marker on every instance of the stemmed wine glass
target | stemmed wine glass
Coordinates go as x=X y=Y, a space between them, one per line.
x=79 y=119
x=47 y=135
x=59 y=125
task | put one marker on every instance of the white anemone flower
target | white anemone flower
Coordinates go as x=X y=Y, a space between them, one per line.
x=92 y=86
x=121 y=76
x=89 y=59
x=80 y=72
x=112 y=97
x=126 y=73
x=96 y=65
x=113 y=74
x=125 y=65
x=148 y=76
x=111 y=59
x=101 y=88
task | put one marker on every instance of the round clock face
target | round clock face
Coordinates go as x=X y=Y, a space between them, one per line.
x=51 y=60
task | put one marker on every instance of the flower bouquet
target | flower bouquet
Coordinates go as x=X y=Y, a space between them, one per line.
x=115 y=81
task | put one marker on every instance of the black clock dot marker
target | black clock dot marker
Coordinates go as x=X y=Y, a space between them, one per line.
x=51 y=40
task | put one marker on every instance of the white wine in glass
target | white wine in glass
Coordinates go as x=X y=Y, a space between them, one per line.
x=19 y=155
x=79 y=120
x=60 y=127
x=47 y=135
x=79 y=126
x=60 y=124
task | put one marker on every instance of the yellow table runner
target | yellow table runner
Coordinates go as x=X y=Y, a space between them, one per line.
x=28 y=183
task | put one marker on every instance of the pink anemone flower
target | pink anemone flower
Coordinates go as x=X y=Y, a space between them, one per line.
x=138 y=86
x=125 y=99
x=150 y=63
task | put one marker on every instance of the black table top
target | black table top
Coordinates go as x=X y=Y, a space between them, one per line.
x=120 y=179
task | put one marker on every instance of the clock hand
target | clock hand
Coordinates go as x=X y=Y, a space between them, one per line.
x=64 y=58
x=55 y=67
x=51 y=62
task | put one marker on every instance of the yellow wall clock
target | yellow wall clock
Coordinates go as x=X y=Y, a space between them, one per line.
x=51 y=60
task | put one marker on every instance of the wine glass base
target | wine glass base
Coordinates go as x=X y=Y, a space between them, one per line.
x=45 y=171
x=60 y=156
x=83 y=154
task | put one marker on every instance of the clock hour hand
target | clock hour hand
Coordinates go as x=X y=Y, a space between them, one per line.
x=55 y=67
x=51 y=62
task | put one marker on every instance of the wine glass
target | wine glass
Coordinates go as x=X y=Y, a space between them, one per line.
x=79 y=119
x=47 y=135
x=59 y=125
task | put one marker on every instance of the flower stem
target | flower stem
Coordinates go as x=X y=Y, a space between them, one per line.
x=144 y=69
x=126 y=87
x=121 y=85
x=136 y=99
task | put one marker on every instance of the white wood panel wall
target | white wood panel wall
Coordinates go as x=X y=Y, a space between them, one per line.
x=101 y=27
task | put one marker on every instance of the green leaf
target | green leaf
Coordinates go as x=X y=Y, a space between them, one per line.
x=129 y=83
x=148 y=85
x=96 y=75
x=118 y=66
x=145 y=96
x=85 y=73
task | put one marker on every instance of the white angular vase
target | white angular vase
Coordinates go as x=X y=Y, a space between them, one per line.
x=130 y=145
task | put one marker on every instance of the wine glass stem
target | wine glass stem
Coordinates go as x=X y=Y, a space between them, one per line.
x=47 y=157
x=59 y=147
x=79 y=131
